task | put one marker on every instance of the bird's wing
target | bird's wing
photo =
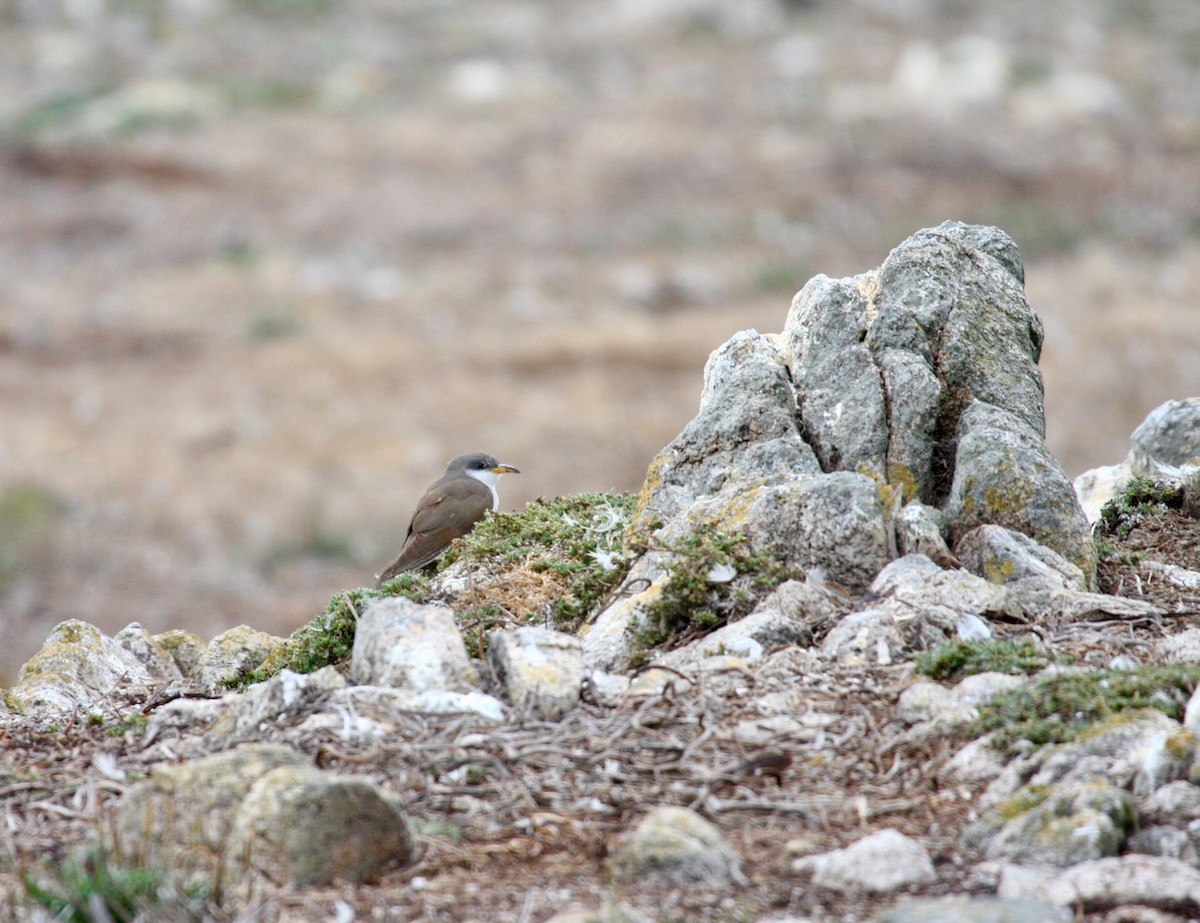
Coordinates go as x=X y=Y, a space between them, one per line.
x=448 y=509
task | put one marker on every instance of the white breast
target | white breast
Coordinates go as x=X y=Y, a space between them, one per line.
x=490 y=478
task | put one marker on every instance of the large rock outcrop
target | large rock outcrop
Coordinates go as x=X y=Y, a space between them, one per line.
x=915 y=383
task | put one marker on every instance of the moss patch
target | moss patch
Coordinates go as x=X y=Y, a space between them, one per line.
x=960 y=658
x=1058 y=709
x=1141 y=499
x=714 y=578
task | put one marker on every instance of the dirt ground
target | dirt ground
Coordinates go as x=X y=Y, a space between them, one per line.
x=265 y=265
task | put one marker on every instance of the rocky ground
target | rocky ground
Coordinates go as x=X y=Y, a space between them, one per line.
x=242 y=241
x=534 y=829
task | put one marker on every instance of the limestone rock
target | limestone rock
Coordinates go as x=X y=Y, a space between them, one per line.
x=1055 y=825
x=539 y=669
x=926 y=700
x=184 y=813
x=615 y=912
x=917 y=601
x=1004 y=475
x=884 y=861
x=246 y=714
x=401 y=643
x=184 y=648
x=302 y=826
x=76 y=667
x=1170 y=435
x=677 y=847
x=918 y=381
x=1181 y=647
x=149 y=651
x=922 y=529
x=232 y=654
x=1177 y=801
x=964 y=909
x=1151 y=881
x=1162 y=840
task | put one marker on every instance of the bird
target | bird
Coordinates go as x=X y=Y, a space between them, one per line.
x=449 y=508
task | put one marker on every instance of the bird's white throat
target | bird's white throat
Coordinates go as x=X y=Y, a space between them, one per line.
x=490 y=478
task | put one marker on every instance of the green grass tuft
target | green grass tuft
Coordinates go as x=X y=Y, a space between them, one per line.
x=95 y=888
x=959 y=658
x=714 y=578
x=1058 y=709
x=1142 y=498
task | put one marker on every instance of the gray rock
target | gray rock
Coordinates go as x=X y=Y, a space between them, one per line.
x=917 y=381
x=916 y=582
x=870 y=637
x=1170 y=435
x=963 y=909
x=614 y=912
x=978 y=761
x=385 y=701
x=1181 y=647
x=922 y=530
x=1008 y=557
x=1058 y=824
x=677 y=847
x=298 y=825
x=184 y=813
x=748 y=639
x=921 y=605
x=1004 y=475
x=232 y=654
x=1163 y=841
x=401 y=643
x=843 y=406
x=1074 y=802
x=149 y=651
x=833 y=522
x=1175 y=801
x=539 y=669
x=745 y=436
x=929 y=701
x=244 y=716
x=608 y=643
x=884 y=861
x=1152 y=881
x=76 y=667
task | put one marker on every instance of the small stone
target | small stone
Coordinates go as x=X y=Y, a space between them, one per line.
x=539 y=669
x=302 y=826
x=404 y=644
x=677 y=847
x=232 y=654
x=963 y=909
x=881 y=862
x=1154 y=881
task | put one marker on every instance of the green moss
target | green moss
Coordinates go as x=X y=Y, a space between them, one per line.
x=1141 y=498
x=579 y=540
x=714 y=578
x=959 y=658
x=1061 y=708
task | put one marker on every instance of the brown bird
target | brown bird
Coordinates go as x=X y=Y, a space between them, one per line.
x=450 y=508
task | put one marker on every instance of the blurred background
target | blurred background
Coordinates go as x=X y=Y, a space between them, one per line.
x=265 y=265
